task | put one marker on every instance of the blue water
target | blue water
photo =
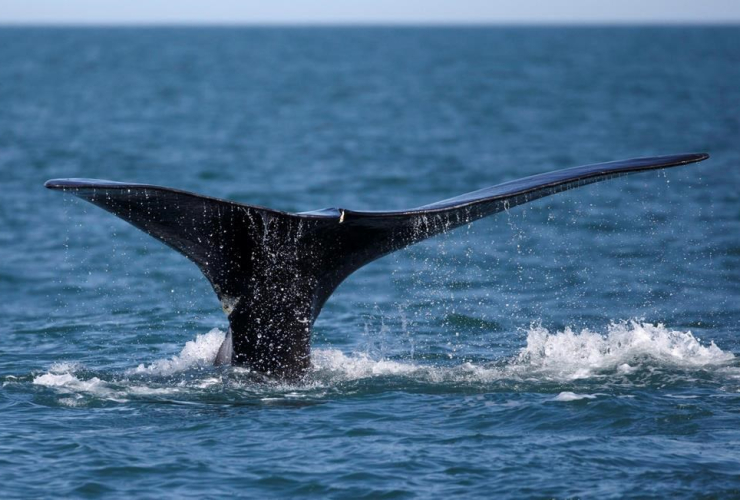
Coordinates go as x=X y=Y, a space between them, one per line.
x=584 y=345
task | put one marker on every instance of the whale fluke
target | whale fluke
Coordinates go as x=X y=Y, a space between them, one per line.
x=273 y=271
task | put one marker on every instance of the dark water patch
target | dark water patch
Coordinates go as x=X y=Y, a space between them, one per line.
x=469 y=323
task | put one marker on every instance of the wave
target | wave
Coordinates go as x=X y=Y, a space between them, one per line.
x=560 y=357
x=198 y=353
x=625 y=346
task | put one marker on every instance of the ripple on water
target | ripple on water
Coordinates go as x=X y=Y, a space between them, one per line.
x=629 y=353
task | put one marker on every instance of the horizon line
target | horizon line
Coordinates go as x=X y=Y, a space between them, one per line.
x=370 y=24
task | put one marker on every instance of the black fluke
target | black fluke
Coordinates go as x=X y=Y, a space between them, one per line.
x=273 y=271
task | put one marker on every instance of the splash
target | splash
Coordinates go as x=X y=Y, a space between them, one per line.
x=64 y=379
x=198 y=353
x=548 y=357
x=328 y=363
x=559 y=356
x=567 y=396
x=68 y=381
x=625 y=346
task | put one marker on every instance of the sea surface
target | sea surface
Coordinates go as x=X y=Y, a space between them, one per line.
x=586 y=345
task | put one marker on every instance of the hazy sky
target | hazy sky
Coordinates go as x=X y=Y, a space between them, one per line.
x=369 y=11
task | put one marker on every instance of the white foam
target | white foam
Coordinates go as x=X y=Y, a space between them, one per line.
x=69 y=383
x=357 y=366
x=142 y=390
x=200 y=352
x=63 y=378
x=566 y=396
x=65 y=367
x=558 y=356
x=72 y=402
x=571 y=355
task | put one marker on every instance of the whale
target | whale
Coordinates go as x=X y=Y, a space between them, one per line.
x=273 y=271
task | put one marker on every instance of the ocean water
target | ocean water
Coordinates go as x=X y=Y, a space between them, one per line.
x=584 y=345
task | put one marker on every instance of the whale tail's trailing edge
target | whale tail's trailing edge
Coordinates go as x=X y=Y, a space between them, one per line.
x=273 y=271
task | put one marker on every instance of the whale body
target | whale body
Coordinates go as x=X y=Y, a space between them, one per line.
x=273 y=271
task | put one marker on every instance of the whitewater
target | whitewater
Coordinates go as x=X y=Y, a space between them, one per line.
x=625 y=351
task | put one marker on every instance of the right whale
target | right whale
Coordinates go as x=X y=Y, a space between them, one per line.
x=273 y=271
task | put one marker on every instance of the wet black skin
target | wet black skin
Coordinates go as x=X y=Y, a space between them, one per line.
x=273 y=271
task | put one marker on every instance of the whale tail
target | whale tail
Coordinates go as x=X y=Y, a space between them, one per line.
x=273 y=271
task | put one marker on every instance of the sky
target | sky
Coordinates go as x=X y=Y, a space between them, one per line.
x=367 y=11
